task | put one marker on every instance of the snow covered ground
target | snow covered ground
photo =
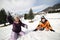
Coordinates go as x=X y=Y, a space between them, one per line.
x=54 y=20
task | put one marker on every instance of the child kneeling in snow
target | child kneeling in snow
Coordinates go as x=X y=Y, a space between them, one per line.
x=44 y=24
x=16 y=30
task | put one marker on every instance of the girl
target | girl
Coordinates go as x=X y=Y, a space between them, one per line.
x=16 y=30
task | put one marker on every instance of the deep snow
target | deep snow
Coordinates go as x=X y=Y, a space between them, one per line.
x=54 y=20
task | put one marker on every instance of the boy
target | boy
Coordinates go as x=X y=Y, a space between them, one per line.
x=44 y=25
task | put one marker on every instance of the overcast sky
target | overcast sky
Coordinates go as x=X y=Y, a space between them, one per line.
x=22 y=6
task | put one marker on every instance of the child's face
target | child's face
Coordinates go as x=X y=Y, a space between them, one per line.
x=43 y=20
x=17 y=19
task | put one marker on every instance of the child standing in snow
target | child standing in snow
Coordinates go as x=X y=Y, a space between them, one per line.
x=44 y=24
x=16 y=30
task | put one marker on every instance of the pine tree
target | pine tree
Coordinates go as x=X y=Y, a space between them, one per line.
x=3 y=17
x=25 y=16
x=31 y=15
x=10 y=18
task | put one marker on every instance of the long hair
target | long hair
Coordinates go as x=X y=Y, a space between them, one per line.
x=17 y=18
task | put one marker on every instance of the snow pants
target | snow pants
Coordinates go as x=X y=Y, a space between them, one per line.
x=14 y=35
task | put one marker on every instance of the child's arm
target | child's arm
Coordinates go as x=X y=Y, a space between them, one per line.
x=37 y=28
x=24 y=25
x=49 y=26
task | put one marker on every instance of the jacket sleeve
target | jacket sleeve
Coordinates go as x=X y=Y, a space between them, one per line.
x=13 y=26
x=39 y=26
x=22 y=24
x=48 y=25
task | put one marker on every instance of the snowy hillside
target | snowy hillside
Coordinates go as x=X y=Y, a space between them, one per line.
x=54 y=20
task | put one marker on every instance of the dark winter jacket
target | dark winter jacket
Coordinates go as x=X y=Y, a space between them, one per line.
x=17 y=27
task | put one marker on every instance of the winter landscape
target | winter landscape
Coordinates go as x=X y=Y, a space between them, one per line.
x=54 y=20
x=30 y=14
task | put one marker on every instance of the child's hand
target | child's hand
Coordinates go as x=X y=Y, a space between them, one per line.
x=26 y=26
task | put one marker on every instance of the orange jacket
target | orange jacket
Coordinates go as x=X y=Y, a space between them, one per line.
x=45 y=25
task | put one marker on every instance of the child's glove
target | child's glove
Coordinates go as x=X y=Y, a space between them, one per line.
x=35 y=30
x=26 y=26
x=52 y=30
